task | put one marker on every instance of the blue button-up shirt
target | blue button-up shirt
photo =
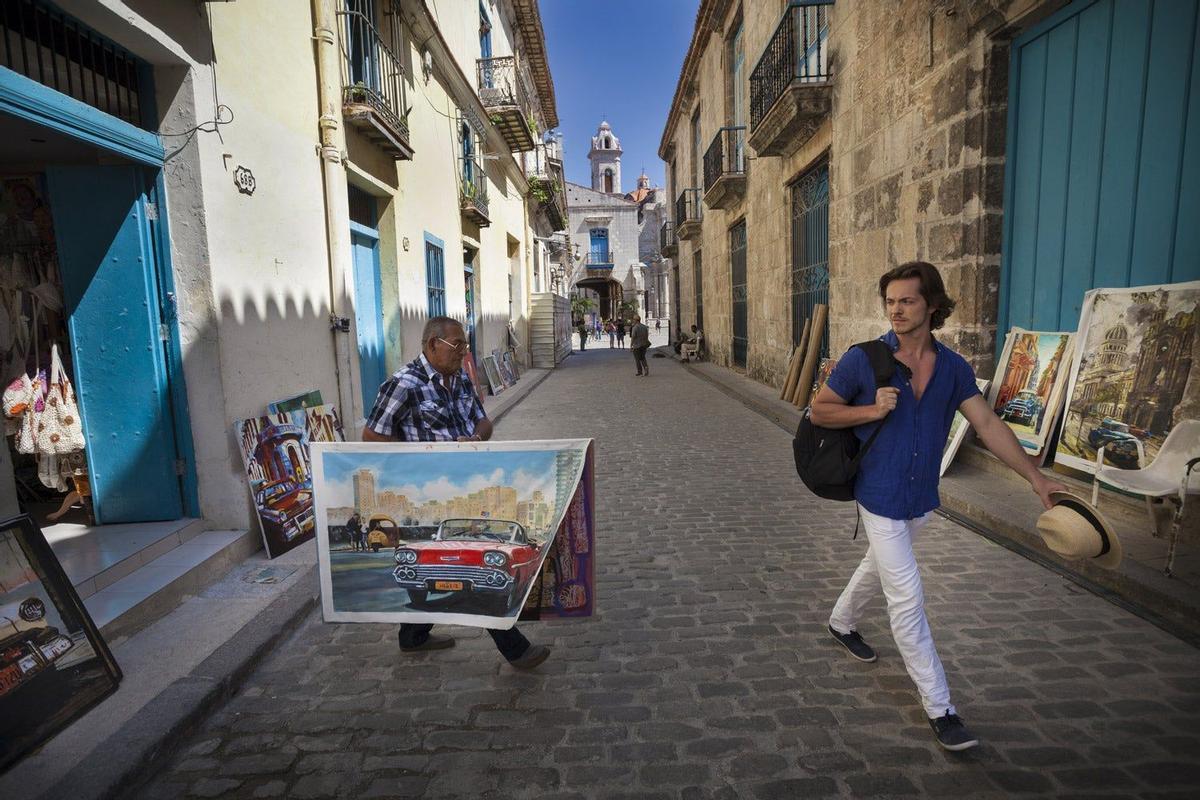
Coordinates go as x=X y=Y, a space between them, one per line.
x=898 y=478
x=418 y=404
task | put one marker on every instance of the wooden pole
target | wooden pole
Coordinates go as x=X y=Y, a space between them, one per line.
x=789 y=384
x=810 y=360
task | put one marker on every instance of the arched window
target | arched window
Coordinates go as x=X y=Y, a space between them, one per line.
x=608 y=181
x=608 y=143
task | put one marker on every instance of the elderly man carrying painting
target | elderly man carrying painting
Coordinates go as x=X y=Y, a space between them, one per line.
x=431 y=399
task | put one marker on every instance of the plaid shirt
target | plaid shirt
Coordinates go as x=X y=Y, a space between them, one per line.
x=418 y=404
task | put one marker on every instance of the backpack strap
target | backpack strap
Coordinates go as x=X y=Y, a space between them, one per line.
x=883 y=364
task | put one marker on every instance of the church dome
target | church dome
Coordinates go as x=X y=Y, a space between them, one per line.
x=1116 y=333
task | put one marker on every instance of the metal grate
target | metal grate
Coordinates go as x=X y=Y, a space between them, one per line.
x=726 y=155
x=698 y=285
x=810 y=250
x=688 y=207
x=372 y=74
x=47 y=46
x=798 y=51
x=741 y=317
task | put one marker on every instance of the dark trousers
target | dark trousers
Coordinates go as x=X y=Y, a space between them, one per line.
x=639 y=356
x=582 y=341
x=511 y=643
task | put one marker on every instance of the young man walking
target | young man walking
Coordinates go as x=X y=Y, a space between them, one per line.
x=431 y=399
x=639 y=342
x=897 y=483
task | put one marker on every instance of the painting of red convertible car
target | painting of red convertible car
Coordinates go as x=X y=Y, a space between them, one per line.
x=490 y=558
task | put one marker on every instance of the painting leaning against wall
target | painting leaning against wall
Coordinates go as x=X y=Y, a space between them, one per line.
x=1030 y=382
x=1133 y=362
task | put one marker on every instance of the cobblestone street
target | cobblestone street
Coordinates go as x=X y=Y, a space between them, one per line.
x=708 y=671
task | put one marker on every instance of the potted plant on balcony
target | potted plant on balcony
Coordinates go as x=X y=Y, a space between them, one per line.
x=358 y=92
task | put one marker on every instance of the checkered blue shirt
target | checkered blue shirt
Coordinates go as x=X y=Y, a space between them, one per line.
x=418 y=404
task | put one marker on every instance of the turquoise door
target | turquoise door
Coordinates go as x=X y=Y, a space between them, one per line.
x=368 y=311
x=111 y=295
x=1103 y=182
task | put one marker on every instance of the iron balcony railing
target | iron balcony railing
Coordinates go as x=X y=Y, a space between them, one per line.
x=666 y=235
x=798 y=51
x=372 y=75
x=599 y=259
x=688 y=207
x=726 y=155
x=500 y=83
x=472 y=187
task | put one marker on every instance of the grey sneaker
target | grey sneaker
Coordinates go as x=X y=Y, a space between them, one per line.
x=951 y=733
x=534 y=654
x=436 y=641
x=855 y=644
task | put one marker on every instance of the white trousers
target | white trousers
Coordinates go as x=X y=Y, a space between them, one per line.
x=889 y=564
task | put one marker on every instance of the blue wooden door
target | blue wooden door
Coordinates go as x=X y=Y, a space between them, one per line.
x=368 y=312
x=112 y=300
x=1103 y=183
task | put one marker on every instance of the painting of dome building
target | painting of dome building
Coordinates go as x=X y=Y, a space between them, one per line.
x=1133 y=368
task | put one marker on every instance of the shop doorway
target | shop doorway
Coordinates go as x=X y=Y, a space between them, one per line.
x=368 y=295
x=469 y=295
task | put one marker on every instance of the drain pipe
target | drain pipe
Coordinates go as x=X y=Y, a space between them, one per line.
x=337 y=205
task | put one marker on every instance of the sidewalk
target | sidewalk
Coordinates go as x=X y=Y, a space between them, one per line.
x=188 y=662
x=982 y=494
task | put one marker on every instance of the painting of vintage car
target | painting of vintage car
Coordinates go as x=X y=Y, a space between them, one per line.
x=287 y=507
x=1023 y=409
x=382 y=531
x=1120 y=444
x=490 y=557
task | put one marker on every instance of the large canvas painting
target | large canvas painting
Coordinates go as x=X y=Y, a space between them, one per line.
x=1031 y=378
x=54 y=665
x=958 y=431
x=1133 y=359
x=275 y=454
x=458 y=533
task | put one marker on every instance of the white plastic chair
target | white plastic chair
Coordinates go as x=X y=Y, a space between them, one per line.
x=1173 y=475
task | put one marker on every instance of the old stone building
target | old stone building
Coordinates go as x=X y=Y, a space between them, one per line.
x=653 y=210
x=1031 y=149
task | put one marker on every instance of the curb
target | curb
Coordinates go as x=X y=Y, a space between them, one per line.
x=131 y=757
x=516 y=399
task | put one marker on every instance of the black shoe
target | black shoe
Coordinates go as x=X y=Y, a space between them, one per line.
x=534 y=654
x=855 y=644
x=435 y=641
x=951 y=733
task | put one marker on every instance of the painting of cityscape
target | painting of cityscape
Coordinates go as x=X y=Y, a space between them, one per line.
x=1133 y=359
x=1031 y=379
x=276 y=459
x=958 y=431
x=450 y=532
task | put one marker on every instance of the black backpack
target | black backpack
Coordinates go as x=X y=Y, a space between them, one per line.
x=827 y=459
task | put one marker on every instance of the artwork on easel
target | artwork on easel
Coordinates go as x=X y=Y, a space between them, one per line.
x=1031 y=379
x=54 y=664
x=958 y=430
x=1133 y=359
x=492 y=370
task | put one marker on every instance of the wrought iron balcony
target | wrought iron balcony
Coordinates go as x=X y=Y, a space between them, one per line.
x=373 y=93
x=668 y=245
x=543 y=166
x=688 y=213
x=725 y=167
x=790 y=88
x=598 y=259
x=472 y=192
x=502 y=90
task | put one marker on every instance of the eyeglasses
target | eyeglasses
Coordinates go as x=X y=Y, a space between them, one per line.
x=458 y=348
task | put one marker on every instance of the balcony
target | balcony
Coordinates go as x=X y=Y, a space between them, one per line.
x=543 y=168
x=502 y=91
x=472 y=192
x=725 y=168
x=373 y=90
x=668 y=245
x=689 y=211
x=791 y=91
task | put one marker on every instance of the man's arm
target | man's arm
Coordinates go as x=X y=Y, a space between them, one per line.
x=829 y=410
x=484 y=429
x=369 y=435
x=1000 y=439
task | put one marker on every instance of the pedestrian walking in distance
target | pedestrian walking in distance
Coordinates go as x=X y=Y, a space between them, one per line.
x=431 y=399
x=897 y=483
x=639 y=341
x=583 y=334
x=621 y=332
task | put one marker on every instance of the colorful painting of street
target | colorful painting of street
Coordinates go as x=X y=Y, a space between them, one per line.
x=1134 y=359
x=1032 y=375
x=448 y=532
x=275 y=455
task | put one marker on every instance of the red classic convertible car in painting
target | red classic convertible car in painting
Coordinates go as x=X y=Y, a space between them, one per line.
x=483 y=557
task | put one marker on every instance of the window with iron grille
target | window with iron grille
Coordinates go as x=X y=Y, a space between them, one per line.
x=741 y=319
x=435 y=279
x=810 y=251
x=698 y=287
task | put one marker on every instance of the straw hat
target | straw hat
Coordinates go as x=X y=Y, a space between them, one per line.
x=1075 y=530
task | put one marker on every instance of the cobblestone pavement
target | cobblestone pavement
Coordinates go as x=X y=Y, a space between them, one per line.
x=708 y=672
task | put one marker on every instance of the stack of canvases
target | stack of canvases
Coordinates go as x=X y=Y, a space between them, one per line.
x=1121 y=378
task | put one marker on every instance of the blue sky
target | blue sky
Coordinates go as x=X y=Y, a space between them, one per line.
x=640 y=45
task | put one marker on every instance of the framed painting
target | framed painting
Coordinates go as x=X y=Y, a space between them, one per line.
x=492 y=370
x=275 y=454
x=54 y=665
x=1133 y=359
x=508 y=367
x=466 y=533
x=958 y=430
x=306 y=400
x=1030 y=383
